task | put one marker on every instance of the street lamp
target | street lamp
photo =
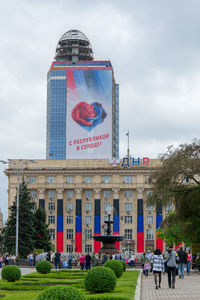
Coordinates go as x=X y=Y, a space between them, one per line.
x=18 y=171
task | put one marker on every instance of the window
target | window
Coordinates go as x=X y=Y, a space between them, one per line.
x=128 y=234
x=69 y=248
x=51 y=206
x=32 y=180
x=70 y=194
x=34 y=206
x=88 y=248
x=149 y=208
x=127 y=179
x=70 y=234
x=52 y=234
x=128 y=220
x=51 y=219
x=106 y=179
x=88 y=179
x=147 y=179
x=51 y=194
x=128 y=194
x=149 y=220
x=88 y=194
x=50 y=179
x=149 y=234
x=88 y=234
x=106 y=194
x=69 y=179
x=169 y=207
x=88 y=220
x=148 y=194
x=105 y=218
x=187 y=180
x=128 y=206
x=69 y=206
x=33 y=194
x=107 y=207
x=69 y=219
x=88 y=206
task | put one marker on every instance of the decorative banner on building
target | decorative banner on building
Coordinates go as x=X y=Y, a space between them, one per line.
x=89 y=114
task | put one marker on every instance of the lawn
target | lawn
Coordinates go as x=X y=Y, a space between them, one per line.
x=31 y=285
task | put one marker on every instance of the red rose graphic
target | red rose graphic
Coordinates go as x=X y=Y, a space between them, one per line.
x=83 y=111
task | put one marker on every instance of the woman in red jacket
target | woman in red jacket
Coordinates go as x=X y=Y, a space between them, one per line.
x=82 y=261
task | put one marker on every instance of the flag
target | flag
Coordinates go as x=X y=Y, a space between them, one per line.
x=127 y=133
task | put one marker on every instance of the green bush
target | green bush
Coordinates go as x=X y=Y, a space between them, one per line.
x=100 y=279
x=123 y=265
x=116 y=266
x=43 y=266
x=11 y=273
x=61 y=292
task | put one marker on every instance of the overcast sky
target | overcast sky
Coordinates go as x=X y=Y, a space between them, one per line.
x=154 y=47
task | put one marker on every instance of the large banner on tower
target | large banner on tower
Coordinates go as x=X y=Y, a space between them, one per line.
x=89 y=114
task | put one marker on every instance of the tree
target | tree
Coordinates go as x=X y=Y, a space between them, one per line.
x=42 y=237
x=26 y=229
x=177 y=181
x=172 y=231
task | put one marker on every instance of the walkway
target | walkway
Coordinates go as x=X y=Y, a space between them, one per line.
x=187 y=288
x=24 y=271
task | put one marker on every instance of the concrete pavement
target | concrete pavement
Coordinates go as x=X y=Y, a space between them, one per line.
x=24 y=271
x=187 y=288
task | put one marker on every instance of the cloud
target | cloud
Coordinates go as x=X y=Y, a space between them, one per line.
x=154 y=49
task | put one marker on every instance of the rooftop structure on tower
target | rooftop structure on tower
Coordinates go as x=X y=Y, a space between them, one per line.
x=74 y=46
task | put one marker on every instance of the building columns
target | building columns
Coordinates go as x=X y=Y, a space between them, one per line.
x=140 y=220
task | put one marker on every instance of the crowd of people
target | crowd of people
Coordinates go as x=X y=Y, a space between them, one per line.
x=85 y=261
x=173 y=262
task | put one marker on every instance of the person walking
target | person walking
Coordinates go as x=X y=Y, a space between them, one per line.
x=88 y=261
x=157 y=261
x=182 y=261
x=146 y=268
x=189 y=260
x=57 y=259
x=82 y=261
x=143 y=260
x=171 y=257
x=70 y=258
x=132 y=261
x=198 y=261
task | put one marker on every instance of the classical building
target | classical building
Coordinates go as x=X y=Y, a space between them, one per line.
x=78 y=194
x=82 y=103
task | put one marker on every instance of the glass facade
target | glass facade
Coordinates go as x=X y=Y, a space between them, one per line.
x=56 y=115
x=117 y=120
x=57 y=108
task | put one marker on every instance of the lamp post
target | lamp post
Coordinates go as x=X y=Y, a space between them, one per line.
x=18 y=171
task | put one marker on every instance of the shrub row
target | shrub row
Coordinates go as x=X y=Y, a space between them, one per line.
x=100 y=279
x=11 y=273
x=61 y=292
x=116 y=266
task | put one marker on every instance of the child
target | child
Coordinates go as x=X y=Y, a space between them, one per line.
x=146 y=268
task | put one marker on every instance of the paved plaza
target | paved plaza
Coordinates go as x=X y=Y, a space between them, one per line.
x=24 y=271
x=187 y=288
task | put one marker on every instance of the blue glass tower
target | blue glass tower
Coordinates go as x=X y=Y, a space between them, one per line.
x=74 y=55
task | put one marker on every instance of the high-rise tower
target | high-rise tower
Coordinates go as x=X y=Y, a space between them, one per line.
x=82 y=103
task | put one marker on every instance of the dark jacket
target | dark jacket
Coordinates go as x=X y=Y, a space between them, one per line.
x=182 y=257
x=88 y=259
